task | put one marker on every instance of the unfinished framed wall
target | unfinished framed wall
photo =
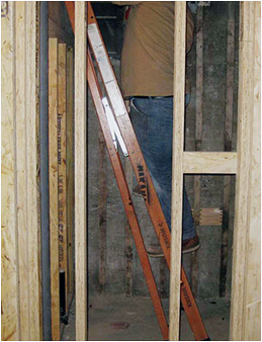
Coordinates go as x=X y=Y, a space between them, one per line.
x=21 y=245
x=246 y=301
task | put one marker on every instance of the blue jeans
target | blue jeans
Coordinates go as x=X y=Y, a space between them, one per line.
x=152 y=119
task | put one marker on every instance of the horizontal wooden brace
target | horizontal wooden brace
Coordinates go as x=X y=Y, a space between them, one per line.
x=210 y=162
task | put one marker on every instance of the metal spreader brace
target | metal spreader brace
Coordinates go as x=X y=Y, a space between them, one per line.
x=116 y=126
x=114 y=130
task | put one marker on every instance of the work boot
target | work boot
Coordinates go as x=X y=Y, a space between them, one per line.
x=155 y=251
x=190 y=245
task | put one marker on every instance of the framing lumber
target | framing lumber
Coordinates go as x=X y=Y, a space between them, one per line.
x=53 y=185
x=62 y=176
x=21 y=292
x=70 y=167
x=227 y=144
x=20 y=138
x=252 y=302
x=26 y=170
x=246 y=294
x=32 y=97
x=177 y=181
x=9 y=281
x=210 y=162
x=80 y=172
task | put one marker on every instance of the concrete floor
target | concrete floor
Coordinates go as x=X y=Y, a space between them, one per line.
x=120 y=318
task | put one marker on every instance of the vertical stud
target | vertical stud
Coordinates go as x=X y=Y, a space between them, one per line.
x=177 y=181
x=80 y=172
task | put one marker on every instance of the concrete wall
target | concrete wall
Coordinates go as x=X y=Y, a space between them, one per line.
x=215 y=41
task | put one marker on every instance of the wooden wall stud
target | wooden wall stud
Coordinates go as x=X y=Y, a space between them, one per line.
x=80 y=172
x=177 y=181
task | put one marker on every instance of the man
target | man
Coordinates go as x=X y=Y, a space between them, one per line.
x=147 y=74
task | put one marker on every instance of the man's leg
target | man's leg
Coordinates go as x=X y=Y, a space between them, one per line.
x=152 y=119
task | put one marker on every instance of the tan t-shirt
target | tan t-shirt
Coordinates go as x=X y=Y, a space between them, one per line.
x=147 y=60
